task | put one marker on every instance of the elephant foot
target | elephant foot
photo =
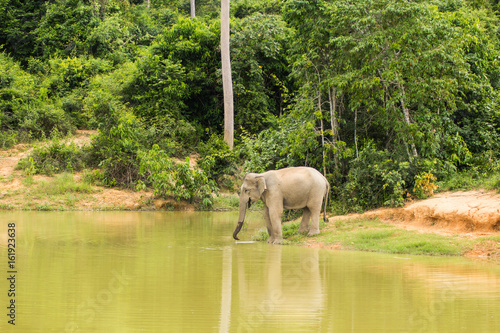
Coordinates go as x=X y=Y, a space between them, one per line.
x=302 y=230
x=313 y=232
x=275 y=241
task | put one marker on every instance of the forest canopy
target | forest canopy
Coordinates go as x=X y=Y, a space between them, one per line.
x=383 y=97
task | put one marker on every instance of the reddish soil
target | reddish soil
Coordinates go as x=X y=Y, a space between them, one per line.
x=470 y=214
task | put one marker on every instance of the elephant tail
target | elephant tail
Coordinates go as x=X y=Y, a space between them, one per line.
x=326 y=201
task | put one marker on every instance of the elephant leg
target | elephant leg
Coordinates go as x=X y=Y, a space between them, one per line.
x=304 y=224
x=268 y=224
x=275 y=212
x=315 y=212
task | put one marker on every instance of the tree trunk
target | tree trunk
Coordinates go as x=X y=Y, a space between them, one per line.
x=322 y=132
x=406 y=114
x=193 y=8
x=355 y=132
x=227 y=83
x=332 y=95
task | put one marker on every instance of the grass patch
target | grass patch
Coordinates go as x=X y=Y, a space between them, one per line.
x=63 y=184
x=375 y=236
x=226 y=203
x=4 y=206
x=469 y=180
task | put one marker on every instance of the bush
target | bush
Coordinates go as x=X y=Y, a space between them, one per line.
x=175 y=137
x=179 y=181
x=8 y=139
x=54 y=158
x=40 y=121
x=424 y=185
x=265 y=151
x=217 y=160
x=115 y=151
x=375 y=179
x=66 y=75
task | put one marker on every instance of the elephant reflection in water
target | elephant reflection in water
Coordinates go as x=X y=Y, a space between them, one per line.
x=286 y=289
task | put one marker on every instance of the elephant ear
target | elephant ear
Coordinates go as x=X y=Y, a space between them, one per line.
x=261 y=185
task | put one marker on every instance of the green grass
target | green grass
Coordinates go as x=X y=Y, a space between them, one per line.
x=63 y=184
x=375 y=236
x=226 y=202
x=4 y=206
x=470 y=180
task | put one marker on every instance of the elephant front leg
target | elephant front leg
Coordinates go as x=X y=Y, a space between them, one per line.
x=268 y=224
x=276 y=235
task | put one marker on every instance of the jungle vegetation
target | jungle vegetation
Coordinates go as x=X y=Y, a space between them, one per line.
x=387 y=98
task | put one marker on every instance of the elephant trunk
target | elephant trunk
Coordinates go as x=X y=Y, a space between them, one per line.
x=237 y=230
x=241 y=218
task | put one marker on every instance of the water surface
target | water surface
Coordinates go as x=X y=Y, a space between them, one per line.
x=182 y=272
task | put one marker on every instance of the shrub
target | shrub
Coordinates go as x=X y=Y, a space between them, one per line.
x=175 y=137
x=375 y=179
x=265 y=151
x=8 y=139
x=40 y=121
x=115 y=151
x=424 y=185
x=217 y=160
x=54 y=158
x=179 y=181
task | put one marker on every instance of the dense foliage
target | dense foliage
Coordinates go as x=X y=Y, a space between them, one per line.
x=387 y=98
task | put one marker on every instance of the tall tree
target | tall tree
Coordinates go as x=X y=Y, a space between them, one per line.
x=227 y=82
x=193 y=8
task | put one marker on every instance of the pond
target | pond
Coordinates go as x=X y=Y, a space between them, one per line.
x=182 y=272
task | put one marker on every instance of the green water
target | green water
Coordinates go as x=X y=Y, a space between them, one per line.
x=182 y=272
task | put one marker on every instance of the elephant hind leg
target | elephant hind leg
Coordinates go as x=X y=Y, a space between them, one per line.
x=315 y=213
x=304 y=224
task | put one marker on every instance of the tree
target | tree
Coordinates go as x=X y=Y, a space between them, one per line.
x=193 y=8
x=227 y=82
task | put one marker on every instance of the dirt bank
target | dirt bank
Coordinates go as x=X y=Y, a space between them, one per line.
x=472 y=215
x=468 y=212
x=19 y=192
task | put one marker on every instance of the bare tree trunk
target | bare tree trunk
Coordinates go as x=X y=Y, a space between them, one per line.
x=148 y=4
x=332 y=95
x=355 y=132
x=227 y=83
x=193 y=8
x=323 y=143
x=406 y=114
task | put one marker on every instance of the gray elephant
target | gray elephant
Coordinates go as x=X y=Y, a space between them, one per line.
x=290 y=188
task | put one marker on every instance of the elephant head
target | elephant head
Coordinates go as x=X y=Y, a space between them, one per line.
x=252 y=189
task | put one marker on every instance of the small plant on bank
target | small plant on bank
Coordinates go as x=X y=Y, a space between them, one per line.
x=424 y=185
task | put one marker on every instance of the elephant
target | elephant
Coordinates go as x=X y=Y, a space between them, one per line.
x=290 y=188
